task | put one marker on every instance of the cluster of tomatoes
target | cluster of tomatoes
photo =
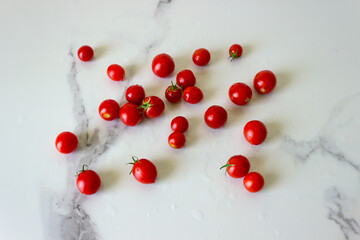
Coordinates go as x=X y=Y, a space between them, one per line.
x=139 y=106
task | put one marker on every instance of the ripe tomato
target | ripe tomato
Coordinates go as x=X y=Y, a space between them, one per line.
x=185 y=78
x=201 y=57
x=264 y=81
x=215 y=116
x=88 y=182
x=240 y=93
x=85 y=53
x=237 y=166
x=253 y=182
x=255 y=132
x=163 y=65
x=116 y=72
x=109 y=109
x=179 y=124
x=143 y=170
x=235 y=51
x=135 y=94
x=193 y=95
x=66 y=142
x=130 y=114
x=153 y=106
x=176 y=140
x=173 y=93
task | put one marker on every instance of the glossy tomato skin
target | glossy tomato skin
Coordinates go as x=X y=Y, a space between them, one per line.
x=240 y=94
x=135 y=94
x=88 y=182
x=255 y=132
x=144 y=171
x=215 y=116
x=109 y=110
x=176 y=140
x=66 y=142
x=179 y=124
x=163 y=65
x=235 y=51
x=201 y=57
x=116 y=72
x=237 y=166
x=130 y=114
x=153 y=106
x=185 y=78
x=264 y=81
x=85 y=53
x=253 y=182
x=173 y=94
x=193 y=95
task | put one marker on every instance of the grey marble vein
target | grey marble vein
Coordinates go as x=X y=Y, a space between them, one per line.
x=162 y=4
x=348 y=225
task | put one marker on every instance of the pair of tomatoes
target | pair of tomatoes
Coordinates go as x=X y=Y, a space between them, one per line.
x=179 y=125
x=238 y=166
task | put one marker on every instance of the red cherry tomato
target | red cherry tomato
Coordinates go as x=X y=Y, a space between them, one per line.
x=85 y=53
x=143 y=170
x=201 y=57
x=130 y=114
x=237 y=166
x=153 y=106
x=176 y=140
x=66 y=142
x=240 y=93
x=215 y=116
x=163 y=65
x=264 y=81
x=109 y=110
x=253 y=182
x=193 y=95
x=116 y=72
x=179 y=124
x=255 y=132
x=135 y=94
x=185 y=78
x=235 y=51
x=173 y=93
x=88 y=182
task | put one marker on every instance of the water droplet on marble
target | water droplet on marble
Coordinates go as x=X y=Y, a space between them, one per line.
x=20 y=119
x=277 y=232
x=173 y=206
x=261 y=216
x=197 y=214
x=229 y=205
x=148 y=214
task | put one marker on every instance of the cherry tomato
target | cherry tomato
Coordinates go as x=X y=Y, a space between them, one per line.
x=135 y=94
x=179 y=124
x=66 y=142
x=201 y=57
x=185 y=78
x=176 y=140
x=143 y=170
x=193 y=95
x=253 y=182
x=153 y=106
x=109 y=110
x=235 y=51
x=163 y=65
x=215 y=116
x=130 y=114
x=255 y=132
x=116 y=72
x=237 y=166
x=85 y=53
x=240 y=93
x=173 y=93
x=88 y=182
x=264 y=81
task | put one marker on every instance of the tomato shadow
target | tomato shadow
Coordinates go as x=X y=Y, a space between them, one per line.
x=282 y=80
x=247 y=50
x=258 y=164
x=191 y=134
x=274 y=130
x=109 y=178
x=182 y=62
x=218 y=55
x=165 y=167
x=87 y=139
x=235 y=114
x=130 y=71
x=270 y=180
x=100 y=51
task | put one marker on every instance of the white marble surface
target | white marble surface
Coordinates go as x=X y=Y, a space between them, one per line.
x=310 y=160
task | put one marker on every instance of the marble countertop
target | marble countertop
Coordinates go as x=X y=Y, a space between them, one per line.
x=310 y=160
